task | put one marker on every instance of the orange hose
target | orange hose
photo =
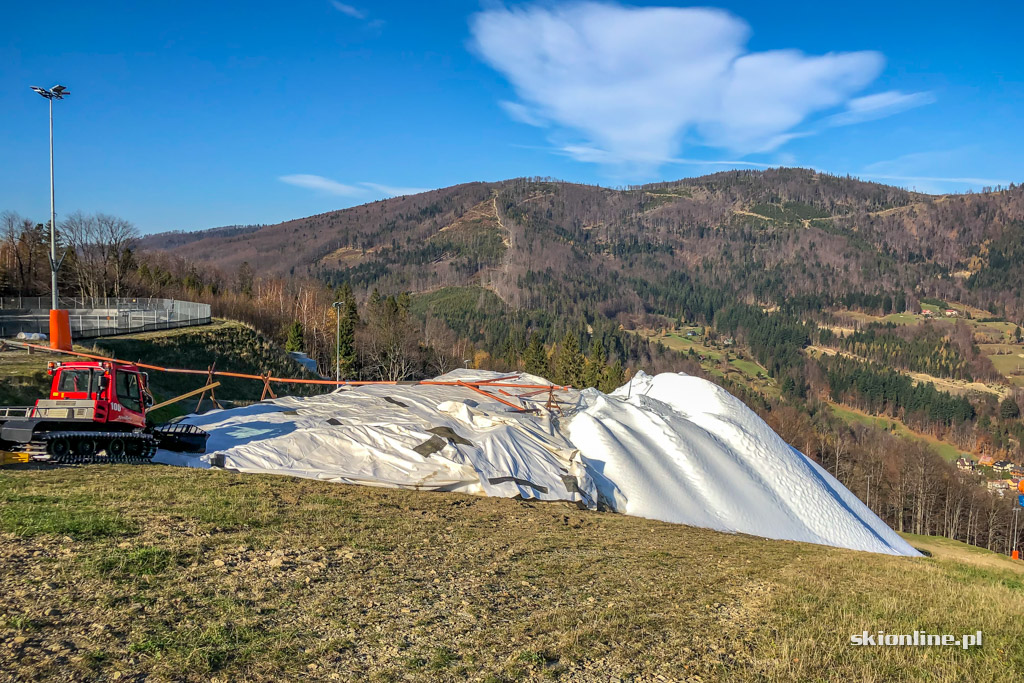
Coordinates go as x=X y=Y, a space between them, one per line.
x=496 y=398
x=496 y=382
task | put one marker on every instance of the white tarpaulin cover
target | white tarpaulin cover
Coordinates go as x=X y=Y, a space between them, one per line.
x=671 y=447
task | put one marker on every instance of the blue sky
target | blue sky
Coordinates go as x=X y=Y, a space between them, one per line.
x=193 y=115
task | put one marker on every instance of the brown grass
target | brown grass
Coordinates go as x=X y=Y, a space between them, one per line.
x=171 y=574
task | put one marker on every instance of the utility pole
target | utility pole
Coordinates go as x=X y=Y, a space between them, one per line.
x=57 y=92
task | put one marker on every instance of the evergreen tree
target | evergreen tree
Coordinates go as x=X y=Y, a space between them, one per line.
x=535 y=359
x=614 y=377
x=596 y=364
x=374 y=300
x=404 y=302
x=294 y=342
x=1008 y=409
x=570 y=366
x=245 y=278
x=347 y=357
x=1016 y=334
x=351 y=312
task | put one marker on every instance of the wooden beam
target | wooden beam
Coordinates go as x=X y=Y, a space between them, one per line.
x=208 y=387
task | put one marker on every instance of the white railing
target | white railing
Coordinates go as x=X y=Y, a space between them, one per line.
x=101 y=317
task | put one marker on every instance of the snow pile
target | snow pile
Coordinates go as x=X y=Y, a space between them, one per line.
x=682 y=449
x=672 y=447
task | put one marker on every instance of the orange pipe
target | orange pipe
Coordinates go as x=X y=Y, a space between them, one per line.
x=496 y=379
x=496 y=398
x=496 y=382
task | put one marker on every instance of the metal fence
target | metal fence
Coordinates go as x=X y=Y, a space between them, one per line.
x=100 y=317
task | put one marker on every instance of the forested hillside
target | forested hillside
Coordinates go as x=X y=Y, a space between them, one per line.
x=876 y=329
x=770 y=237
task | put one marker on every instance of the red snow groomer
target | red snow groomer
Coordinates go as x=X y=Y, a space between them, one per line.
x=96 y=412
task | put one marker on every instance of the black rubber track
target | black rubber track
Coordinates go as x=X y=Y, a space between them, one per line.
x=139 y=447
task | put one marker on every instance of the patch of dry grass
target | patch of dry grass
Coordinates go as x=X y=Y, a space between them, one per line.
x=149 y=571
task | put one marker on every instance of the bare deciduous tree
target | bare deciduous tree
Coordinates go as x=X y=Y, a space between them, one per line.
x=101 y=252
x=23 y=266
x=389 y=340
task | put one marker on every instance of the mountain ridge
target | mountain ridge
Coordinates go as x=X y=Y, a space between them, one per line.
x=767 y=235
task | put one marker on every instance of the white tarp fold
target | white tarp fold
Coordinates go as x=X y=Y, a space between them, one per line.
x=440 y=438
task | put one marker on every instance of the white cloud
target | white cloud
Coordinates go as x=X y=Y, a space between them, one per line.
x=789 y=161
x=934 y=172
x=522 y=114
x=636 y=83
x=880 y=105
x=321 y=184
x=600 y=156
x=393 y=191
x=348 y=9
x=931 y=181
x=333 y=187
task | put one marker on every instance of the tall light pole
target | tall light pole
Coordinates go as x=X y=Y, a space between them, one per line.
x=337 y=340
x=57 y=92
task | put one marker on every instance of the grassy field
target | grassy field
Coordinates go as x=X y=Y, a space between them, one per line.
x=23 y=377
x=1007 y=359
x=157 y=573
x=997 y=331
x=744 y=370
x=895 y=318
x=946 y=450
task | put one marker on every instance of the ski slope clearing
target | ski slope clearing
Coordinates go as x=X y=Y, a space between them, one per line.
x=672 y=447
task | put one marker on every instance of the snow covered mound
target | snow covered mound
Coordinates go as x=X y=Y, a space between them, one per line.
x=681 y=449
x=671 y=447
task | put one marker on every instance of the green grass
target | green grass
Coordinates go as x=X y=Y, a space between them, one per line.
x=903 y=318
x=742 y=371
x=940 y=546
x=946 y=450
x=250 y=577
x=26 y=515
x=1010 y=362
x=748 y=367
x=143 y=561
x=23 y=376
x=680 y=342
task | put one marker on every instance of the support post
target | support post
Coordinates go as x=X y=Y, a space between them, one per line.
x=266 y=388
x=209 y=380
